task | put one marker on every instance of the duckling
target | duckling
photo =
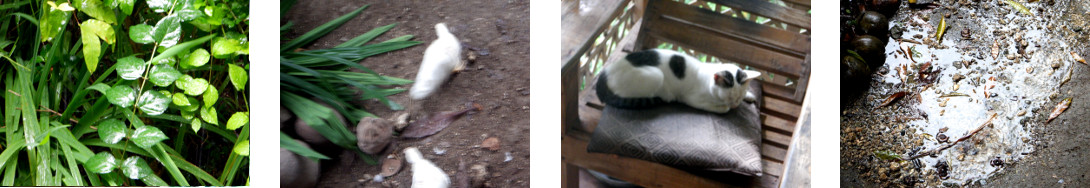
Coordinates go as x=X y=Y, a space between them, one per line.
x=425 y=174
x=441 y=58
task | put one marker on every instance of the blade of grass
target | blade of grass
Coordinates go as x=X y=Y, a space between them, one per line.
x=288 y=143
x=367 y=37
x=320 y=31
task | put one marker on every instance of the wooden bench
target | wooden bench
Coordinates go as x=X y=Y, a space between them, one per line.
x=766 y=37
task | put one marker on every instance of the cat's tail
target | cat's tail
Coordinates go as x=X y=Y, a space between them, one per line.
x=607 y=96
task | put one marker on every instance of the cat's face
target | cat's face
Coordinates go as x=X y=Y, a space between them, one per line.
x=728 y=79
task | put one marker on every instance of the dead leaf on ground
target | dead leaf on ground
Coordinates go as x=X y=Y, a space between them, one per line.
x=1060 y=108
x=1078 y=58
x=892 y=98
x=391 y=166
x=436 y=123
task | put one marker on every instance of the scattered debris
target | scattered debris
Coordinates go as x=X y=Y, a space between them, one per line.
x=1078 y=58
x=941 y=30
x=507 y=156
x=479 y=175
x=966 y=137
x=1060 y=108
x=401 y=121
x=1019 y=6
x=492 y=143
x=391 y=166
x=997 y=162
x=887 y=155
x=955 y=94
x=424 y=128
x=892 y=98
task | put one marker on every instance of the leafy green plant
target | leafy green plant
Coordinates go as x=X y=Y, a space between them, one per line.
x=104 y=93
x=323 y=75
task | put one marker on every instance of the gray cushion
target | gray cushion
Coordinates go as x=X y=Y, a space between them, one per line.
x=684 y=137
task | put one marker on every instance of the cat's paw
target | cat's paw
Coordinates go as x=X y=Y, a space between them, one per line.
x=750 y=98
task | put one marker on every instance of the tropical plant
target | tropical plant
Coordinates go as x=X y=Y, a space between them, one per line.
x=105 y=93
x=308 y=77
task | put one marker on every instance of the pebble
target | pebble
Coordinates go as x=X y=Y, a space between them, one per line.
x=492 y=143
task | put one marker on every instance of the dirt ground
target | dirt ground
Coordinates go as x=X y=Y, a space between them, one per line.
x=499 y=80
x=1060 y=152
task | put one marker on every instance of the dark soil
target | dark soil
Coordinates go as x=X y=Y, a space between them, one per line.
x=498 y=33
x=1059 y=158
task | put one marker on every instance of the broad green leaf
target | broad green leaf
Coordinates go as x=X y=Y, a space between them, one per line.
x=242 y=148
x=100 y=87
x=130 y=68
x=122 y=96
x=167 y=31
x=192 y=86
x=92 y=50
x=96 y=9
x=208 y=114
x=238 y=76
x=126 y=6
x=53 y=20
x=135 y=168
x=153 y=103
x=170 y=52
x=141 y=34
x=154 y=180
x=238 y=120
x=195 y=125
x=170 y=61
x=189 y=14
x=192 y=108
x=211 y=96
x=160 y=6
x=101 y=163
x=147 y=136
x=100 y=29
x=224 y=47
x=111 y=131
x=180 y=100
x=190 y=114
x=197 y=58
x=163 y=76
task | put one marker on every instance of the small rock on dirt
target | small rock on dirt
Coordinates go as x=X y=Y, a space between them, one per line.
x=491 y=143
x=479 y=175
x=374 y=134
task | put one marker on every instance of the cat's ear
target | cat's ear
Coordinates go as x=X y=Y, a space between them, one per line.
x=749 y=75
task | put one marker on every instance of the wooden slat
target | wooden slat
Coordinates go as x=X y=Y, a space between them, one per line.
x=799 y=2
x=636 y=171
x=740 y=29
x=775 y=138
x=773 y=11
x=579 y=27
x=798 y=156
x=776 y=106
x=777 y=124
x=772 y=168
x=776 y=153
x=777 y=91
x=683 y=34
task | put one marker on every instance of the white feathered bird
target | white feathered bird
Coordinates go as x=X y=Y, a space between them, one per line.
x=440 y=60
x=425 y=173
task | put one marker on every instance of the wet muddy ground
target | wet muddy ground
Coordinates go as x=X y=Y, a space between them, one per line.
x=499 y=81
x=993 y=59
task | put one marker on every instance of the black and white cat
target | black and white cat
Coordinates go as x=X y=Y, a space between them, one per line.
x=653 y=77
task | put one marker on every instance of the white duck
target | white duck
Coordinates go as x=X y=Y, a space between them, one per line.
x=441 y=58
x=425 y=173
